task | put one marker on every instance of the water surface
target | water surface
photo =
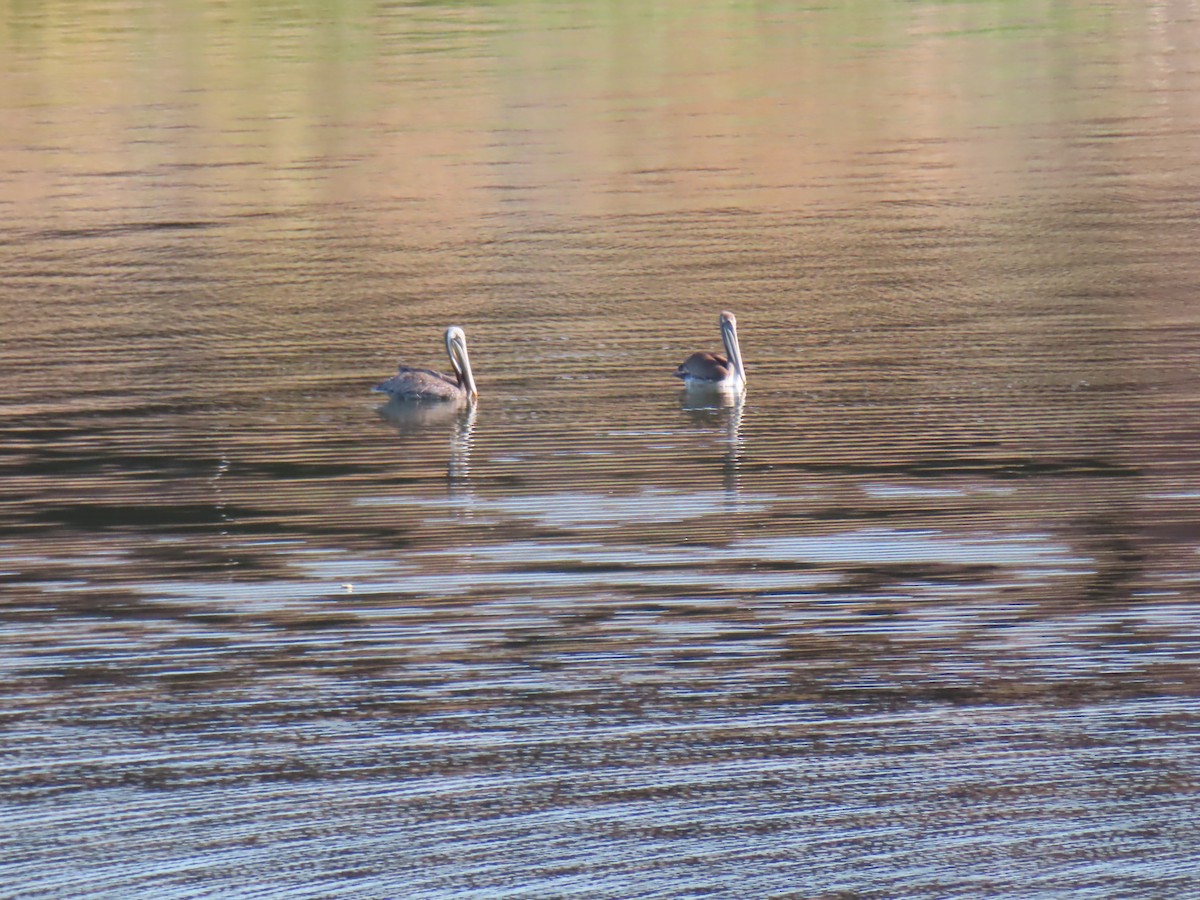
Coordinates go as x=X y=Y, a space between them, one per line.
x=917 y=618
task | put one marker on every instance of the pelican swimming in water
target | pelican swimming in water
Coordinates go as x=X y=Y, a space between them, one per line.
x=711 y=371
x=428 y=386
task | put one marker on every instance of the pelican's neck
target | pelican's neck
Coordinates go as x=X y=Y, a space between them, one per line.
x=733 y=350
x=456 y=346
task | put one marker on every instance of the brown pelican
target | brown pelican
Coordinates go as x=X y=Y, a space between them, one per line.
x=714 y=372
x=428 y=386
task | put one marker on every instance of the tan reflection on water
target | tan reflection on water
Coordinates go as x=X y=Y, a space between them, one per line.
x=464 y=111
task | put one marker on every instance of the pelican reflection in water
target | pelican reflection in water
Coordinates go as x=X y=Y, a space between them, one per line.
x=417 y=424
x=428 y=386
x=710 y=371
x=718 y=409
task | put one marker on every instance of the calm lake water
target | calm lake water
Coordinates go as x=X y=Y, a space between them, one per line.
x=918 y=618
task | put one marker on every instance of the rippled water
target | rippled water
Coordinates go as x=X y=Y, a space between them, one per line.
x=918 y=618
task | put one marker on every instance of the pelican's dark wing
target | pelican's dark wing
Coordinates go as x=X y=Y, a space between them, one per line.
x=420 y=384
x=703 y=367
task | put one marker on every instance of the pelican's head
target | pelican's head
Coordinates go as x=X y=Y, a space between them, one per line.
x=456 y=346
x=733 y=349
